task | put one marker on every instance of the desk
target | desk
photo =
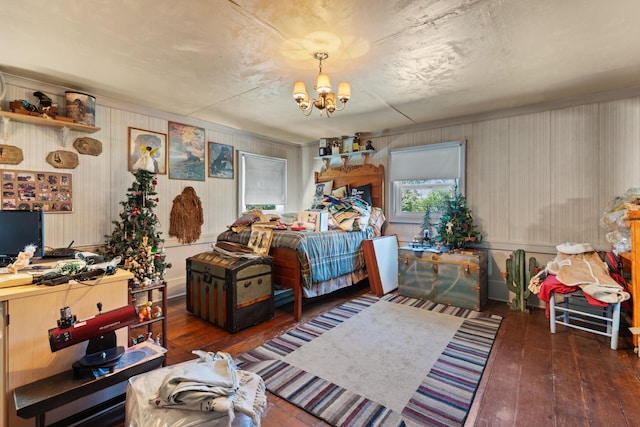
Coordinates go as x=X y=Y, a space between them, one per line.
x=30 y=311
x=38 y=398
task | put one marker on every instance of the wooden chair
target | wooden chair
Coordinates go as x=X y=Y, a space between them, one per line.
x=576 y=312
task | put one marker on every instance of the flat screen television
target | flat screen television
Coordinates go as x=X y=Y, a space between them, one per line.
x=19 y=229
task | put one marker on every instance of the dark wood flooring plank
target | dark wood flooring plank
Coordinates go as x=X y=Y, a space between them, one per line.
x=533 y=378
x=504 y=375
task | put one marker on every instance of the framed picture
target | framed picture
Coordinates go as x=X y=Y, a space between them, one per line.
x=186 y=152
x=147 y=150
x=29 y=190
x=220 y=160
x=260 y=240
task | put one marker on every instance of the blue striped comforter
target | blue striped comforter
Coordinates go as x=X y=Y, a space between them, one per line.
x=323 y=255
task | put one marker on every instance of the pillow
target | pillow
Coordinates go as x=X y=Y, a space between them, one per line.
x=245 y=220
x=321 y=189
x=340 y=192
x=362 y=192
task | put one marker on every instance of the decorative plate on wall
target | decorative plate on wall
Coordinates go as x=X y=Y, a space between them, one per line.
x=62 y=159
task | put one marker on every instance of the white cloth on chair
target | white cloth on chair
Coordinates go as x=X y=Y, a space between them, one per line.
x=590 y=273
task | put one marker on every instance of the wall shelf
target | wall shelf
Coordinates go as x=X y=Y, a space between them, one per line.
x=59 y=124
x=345 y=157
x=64 y=127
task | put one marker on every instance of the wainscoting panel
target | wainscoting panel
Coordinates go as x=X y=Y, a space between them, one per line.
x=529 y=174
x=488 y=179
x=619 y=148
x=574 y=175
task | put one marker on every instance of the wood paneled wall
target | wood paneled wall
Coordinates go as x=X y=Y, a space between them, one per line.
x=536 y=179
x=100 y=183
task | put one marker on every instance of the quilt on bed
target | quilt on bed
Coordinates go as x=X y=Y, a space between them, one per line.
x=322 y=255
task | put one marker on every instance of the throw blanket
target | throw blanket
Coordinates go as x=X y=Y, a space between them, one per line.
x=197 y=385
x=218 y=372
x=323 y=255
x=585 y=270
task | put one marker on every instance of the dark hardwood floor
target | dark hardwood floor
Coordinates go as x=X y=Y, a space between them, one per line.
x=533 y=378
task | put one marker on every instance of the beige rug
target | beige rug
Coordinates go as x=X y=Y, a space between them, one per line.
x=387 y=361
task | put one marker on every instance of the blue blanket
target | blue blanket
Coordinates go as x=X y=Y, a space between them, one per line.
x=323 y=255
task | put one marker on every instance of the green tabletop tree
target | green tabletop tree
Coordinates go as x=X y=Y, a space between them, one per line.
x=457 y=228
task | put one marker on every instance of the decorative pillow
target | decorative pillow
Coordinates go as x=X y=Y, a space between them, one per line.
x=340 y=192
x=245 y=220
x=321 y=189
x=362 y=192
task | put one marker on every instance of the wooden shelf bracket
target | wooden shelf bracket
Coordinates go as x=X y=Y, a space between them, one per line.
x=5 y=129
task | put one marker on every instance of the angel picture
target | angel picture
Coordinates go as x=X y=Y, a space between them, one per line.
x=147 y=151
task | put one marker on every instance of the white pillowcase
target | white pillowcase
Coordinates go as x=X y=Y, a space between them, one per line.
x=321 y=189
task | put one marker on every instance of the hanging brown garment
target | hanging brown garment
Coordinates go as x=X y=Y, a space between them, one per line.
x=186 y=216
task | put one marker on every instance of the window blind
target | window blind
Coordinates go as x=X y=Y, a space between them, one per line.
x=436 y=161
x=264 y=179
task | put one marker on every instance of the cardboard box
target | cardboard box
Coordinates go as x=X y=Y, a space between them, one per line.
x=317 y=220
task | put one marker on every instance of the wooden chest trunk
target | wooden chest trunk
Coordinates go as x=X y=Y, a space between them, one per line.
x=233 y=293
x=457 y=279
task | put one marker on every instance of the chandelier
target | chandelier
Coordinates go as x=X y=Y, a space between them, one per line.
x=326 y=99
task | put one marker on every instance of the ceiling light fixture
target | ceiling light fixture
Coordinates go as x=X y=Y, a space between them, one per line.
x=326 y=99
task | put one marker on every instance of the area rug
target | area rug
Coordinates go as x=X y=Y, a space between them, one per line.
x=388 y=361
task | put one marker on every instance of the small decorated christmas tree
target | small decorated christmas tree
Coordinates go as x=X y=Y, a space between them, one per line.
x=457 y=228
x=135 y=238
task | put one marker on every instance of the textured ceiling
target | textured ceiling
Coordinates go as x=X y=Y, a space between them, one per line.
x=234 y=62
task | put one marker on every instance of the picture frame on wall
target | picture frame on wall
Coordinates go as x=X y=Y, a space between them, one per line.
x=220 y=160
x=186 y=152
x=36 y=190
x=147 y=150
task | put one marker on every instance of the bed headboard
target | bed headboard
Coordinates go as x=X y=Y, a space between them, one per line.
x=355 y=176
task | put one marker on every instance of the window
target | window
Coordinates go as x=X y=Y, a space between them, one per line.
x=262 y=182
x=421 y=175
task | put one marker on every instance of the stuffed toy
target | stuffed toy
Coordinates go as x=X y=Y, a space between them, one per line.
x=156 y=311
x=23 y=259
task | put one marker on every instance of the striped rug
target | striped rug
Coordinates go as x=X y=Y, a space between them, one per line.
x=441 y=394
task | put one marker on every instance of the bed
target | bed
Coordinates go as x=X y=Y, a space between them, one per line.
x=318 y=263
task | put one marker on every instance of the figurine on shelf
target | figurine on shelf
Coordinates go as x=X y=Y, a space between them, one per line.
x=46 y=106
x=335 y=149
x=144 y=311
x=156 y=311
x=369 y=146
